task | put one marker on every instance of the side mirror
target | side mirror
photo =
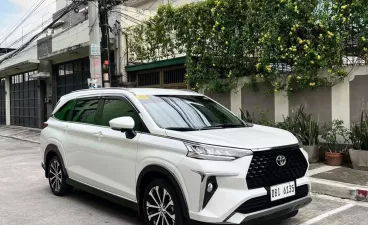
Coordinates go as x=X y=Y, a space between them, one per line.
x=124 y=124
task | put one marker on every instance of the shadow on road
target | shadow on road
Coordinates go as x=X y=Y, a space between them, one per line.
x=102 y=205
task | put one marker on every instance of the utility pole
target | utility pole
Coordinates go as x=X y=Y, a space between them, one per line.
x=94 y=40
x=105 y=43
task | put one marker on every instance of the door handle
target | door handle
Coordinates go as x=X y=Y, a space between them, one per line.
x=66 y=129
x=98 y=135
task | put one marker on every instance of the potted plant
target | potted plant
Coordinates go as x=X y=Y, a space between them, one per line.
x=334 y=135
x=306 y=129
x=359 y=139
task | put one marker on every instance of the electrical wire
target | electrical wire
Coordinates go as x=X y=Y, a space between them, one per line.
x=151 y=5
x=132 y=19
x=23 y=19
x=34 y=30
x=67 y=10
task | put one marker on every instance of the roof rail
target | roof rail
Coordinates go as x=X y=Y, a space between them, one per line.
x=117 y=88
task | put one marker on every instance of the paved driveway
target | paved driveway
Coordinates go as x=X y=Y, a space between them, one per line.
x=25 y=198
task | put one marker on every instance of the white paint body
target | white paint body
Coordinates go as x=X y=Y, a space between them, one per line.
x=105 y=159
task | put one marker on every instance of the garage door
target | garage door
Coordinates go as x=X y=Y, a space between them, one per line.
x=72 y=76
x=24 y=100
x=2 y=102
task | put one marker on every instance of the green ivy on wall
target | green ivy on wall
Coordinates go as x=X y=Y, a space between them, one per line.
x=284 y=43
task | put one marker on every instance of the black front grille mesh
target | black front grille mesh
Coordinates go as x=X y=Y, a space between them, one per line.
x=264 y=171
x=264 y=202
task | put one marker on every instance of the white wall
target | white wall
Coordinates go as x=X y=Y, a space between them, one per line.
x=29 y=54
x=74 y=36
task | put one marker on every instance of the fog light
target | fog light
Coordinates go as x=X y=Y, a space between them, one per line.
x=209 y=187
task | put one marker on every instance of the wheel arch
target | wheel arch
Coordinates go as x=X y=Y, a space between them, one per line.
x=153 y=171
x=53 y=150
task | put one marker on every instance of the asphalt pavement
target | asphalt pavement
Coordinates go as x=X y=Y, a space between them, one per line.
x=25 y=198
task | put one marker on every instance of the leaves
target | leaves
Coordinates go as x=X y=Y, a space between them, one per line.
x=359 y=133
x=256 y=37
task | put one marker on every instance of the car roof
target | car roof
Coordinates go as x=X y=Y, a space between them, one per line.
x=135 y=91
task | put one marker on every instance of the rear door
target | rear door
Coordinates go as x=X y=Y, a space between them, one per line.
x=83 y=137
x=115 y=156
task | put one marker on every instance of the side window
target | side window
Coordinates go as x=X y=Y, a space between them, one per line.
x=65 y=111
x=85 y=111
x=114 y=108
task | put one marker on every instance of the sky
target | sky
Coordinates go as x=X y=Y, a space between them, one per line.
x=11 y=13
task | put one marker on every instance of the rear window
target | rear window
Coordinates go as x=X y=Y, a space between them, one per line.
x=64 y=112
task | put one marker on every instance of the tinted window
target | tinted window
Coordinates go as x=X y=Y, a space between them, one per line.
x=85 y=111
x=65 y=111
x=189 y=112
x=114 y=108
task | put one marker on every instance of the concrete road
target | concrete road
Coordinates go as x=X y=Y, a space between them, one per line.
x=25 y=198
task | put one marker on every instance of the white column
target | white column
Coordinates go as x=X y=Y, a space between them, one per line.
x=7 y=99
x=236 y=100
x=341 y=102
x=123 y=52
x=281 y=106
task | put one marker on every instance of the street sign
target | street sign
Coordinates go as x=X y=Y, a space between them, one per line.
x=95 y=49
x=92 y=83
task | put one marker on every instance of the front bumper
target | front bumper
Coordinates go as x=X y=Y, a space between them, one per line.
x=268 y=214
x=231 y=192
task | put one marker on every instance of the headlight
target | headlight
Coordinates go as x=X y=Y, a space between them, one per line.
x=210 y=152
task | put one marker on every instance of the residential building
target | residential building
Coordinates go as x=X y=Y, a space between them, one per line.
x=34 y=80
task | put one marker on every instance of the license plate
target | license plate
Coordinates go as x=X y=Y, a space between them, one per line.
x=281 y=191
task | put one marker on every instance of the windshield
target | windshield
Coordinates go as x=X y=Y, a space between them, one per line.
x=185 y=113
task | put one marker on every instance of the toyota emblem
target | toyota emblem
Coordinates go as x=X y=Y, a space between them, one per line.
x=281 y=160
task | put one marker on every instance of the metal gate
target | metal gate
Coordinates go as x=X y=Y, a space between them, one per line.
x=169 y=77
x=24 y=101
x=2 y=102
x=72 y=76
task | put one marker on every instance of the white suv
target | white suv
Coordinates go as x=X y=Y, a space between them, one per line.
x=174 y=156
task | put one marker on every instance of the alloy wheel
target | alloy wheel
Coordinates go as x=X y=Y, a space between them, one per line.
x=55 y=175
x=160 y=207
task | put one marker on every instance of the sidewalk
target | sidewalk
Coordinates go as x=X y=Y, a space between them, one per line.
x=339 y=182
x=20 y=133
x=342 y=182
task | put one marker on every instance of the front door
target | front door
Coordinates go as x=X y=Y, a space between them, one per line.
x=115 y=156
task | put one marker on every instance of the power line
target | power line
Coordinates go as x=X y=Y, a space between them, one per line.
x=67 y=10
x=126 y=16
x=23 y=19
x=151 y=5
x=34 y=29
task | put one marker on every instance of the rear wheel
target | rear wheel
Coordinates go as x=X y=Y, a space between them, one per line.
x=57 y=177
x=161 y=206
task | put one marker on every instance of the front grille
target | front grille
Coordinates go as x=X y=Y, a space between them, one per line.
x=264 y=171
x=264 y=202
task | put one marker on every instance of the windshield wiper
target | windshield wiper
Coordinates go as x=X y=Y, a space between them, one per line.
x=224 y=125
x=181 y=128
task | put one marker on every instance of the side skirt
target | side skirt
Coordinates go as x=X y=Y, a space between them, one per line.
x=113 y=198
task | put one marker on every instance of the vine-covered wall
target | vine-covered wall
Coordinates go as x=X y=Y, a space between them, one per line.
x=284 y=43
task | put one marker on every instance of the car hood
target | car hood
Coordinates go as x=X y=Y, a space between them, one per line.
x=255 y=137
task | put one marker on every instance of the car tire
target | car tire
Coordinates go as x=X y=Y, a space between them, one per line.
x=161 y=205
x=57 y=177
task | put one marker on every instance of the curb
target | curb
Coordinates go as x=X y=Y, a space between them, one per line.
x=339 y=189
x=20 y=139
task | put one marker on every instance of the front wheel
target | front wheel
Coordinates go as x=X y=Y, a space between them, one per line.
x=161 y=206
